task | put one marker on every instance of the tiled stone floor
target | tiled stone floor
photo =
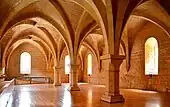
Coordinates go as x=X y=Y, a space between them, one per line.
x=47 y=95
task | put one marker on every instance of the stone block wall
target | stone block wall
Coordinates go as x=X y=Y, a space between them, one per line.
x=39 y=65
x=135 y=77
x=98 y=74
x=65 y=77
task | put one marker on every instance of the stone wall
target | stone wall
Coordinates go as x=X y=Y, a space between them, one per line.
x=65 y=77
x=39 y=65
x=38 y=61
x=135 y=77
x=98 y=74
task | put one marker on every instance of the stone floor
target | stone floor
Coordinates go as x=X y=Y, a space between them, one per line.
x=46 y=95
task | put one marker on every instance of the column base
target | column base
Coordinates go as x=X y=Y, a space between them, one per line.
x=74 y=88
x=112 y=99
x=57 y=84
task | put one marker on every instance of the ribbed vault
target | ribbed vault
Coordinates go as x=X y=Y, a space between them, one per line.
x=106 y=28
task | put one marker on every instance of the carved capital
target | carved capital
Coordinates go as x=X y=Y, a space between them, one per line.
x=112 y=62
x=113 y=57
x=56 y=68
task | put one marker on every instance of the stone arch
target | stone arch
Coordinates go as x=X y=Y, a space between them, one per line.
x=25 y=16
x=8 y=45
x=12 y=12
x=87 y=31
x=147 y=12
x=122 y=48
x=95 y=53
x=18 y=43
x=30 y=31
x=64 y=18
x=92 y=7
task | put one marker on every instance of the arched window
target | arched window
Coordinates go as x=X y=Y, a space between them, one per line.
x=89 y=65
x=151 y=56
x=67 y=64
x=25 y=63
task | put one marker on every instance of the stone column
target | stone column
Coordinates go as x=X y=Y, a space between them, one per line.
x=73 y=79
x=112 y=65
x=57 y=79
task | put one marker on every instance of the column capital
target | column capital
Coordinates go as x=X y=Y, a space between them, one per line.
x=58 y=68
x=112 y=62
x=111 y=56
x=74 y=65
x=54 y=67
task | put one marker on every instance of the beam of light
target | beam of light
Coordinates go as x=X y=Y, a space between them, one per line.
x=67 y=101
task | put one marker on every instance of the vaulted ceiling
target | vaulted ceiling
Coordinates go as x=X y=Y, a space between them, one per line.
x=52 y=25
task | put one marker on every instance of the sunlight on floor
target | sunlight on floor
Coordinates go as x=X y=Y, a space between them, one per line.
x=45 y=95
x=142 y=91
